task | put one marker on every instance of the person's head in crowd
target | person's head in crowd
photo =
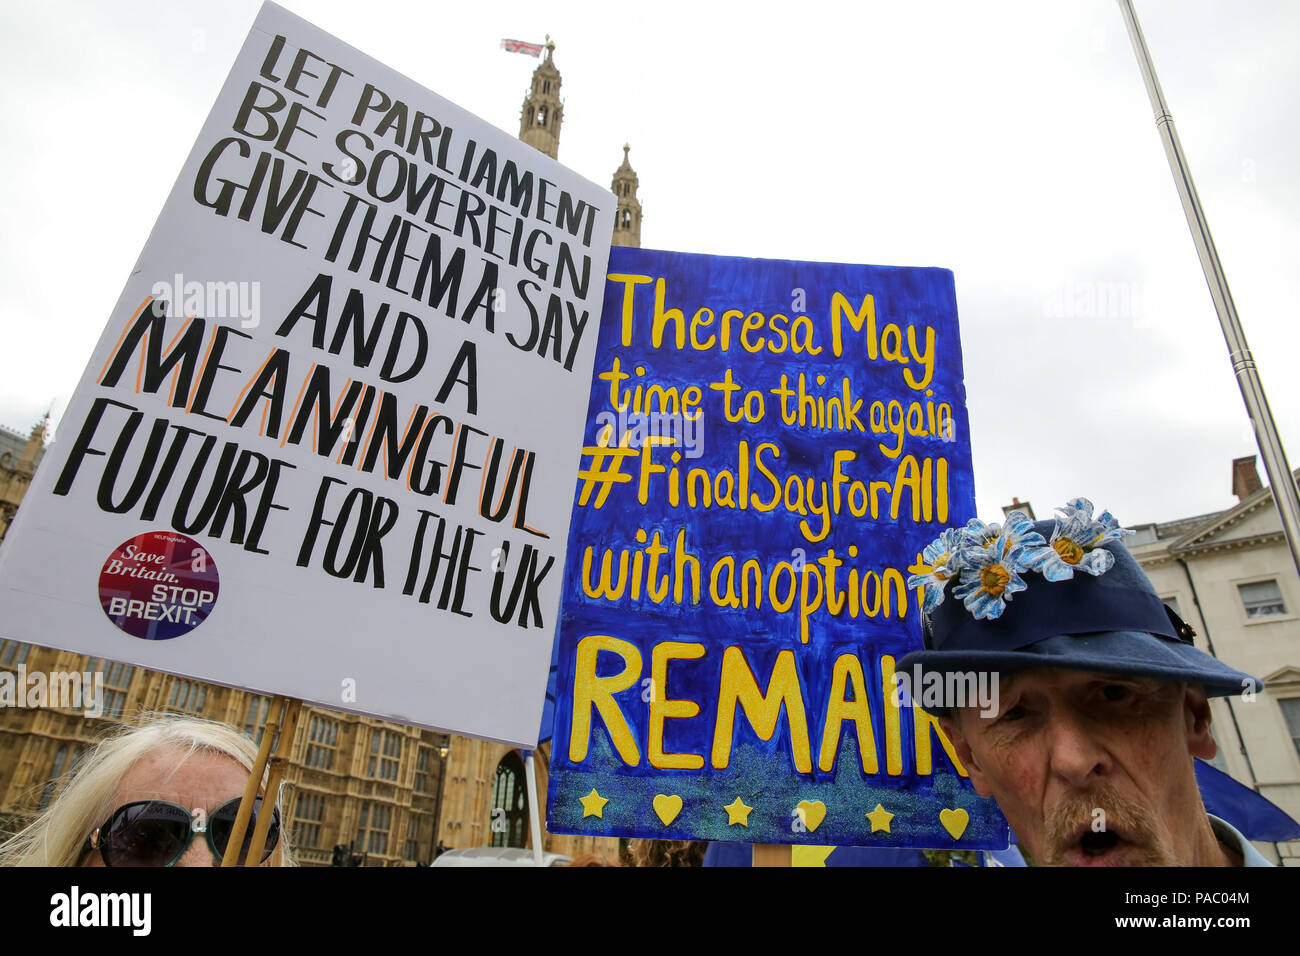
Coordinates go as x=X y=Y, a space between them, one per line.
x=162 y=792
x=667 y=852
x=1099 y=697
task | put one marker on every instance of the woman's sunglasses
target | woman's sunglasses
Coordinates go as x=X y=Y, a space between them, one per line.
x=157 y=833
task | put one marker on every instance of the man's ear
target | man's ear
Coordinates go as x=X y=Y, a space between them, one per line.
x=951 y=727
x=1197 y=718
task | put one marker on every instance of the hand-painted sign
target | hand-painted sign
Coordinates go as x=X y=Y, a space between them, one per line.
x=770 y=445
x=349 y=371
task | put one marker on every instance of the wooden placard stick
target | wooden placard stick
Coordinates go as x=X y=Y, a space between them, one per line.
x=283 y=751
x=240 y=828
x=773 y=854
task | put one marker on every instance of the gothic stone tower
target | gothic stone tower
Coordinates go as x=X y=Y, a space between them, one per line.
x=17 y=466
x=539 y=122
x=627 y=222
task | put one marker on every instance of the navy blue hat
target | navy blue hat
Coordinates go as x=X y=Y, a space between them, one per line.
x=1083 y=604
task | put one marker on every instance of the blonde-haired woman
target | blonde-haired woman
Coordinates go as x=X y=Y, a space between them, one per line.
x=162 y=792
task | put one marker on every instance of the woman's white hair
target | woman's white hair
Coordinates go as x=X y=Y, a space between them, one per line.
x=58 y=836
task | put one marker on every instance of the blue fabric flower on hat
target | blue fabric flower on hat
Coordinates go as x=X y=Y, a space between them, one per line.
x=1017 y=534
x=988 y=579
x=990 y=573
x=942 y=560
x=977 y=534
x=976 y=548
x=1076 y=543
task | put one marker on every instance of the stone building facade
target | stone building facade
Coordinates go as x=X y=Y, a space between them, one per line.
x=19 y=456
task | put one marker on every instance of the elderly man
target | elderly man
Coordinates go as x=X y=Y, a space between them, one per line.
x=1101 y=694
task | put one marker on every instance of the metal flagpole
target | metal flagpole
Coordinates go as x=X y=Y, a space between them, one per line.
x=1278 y=470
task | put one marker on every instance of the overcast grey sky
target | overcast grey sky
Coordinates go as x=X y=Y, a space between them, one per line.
x=1010 y=142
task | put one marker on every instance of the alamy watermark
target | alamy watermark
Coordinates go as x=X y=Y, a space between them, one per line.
x=70 y=689
x=931 y=690
x=1095 y=299
x=211 y=300
x=129 y=910
x=627 y=429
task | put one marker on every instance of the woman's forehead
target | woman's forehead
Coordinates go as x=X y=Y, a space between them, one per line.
x=192 y=778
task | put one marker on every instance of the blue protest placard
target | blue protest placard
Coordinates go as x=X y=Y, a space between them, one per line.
x=769 y=446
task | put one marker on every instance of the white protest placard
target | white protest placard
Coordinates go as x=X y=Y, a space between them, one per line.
x=327 y=444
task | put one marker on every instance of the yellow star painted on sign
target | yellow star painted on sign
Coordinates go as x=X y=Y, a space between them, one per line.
x=738 y=813
x=880 y=818
x=593 y=804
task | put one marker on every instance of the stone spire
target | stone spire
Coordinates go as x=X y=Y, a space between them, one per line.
x=539 y=122
x=34 y=448
x=627 y=224
x=16 y=476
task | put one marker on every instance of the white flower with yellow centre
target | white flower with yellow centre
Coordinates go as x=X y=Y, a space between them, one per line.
x=1076 y=544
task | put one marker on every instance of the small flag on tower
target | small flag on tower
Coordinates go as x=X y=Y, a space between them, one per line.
x=519 y=46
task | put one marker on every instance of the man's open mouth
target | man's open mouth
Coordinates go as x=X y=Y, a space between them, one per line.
x=1098 y=844
x=1098 y=848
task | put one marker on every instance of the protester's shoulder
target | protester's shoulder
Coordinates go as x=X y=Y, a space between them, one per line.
x=1230 y=835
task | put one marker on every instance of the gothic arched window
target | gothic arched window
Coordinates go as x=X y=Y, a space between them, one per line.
x=541 y=116
x=627 y=219
x=60 y=760
x=510 y=803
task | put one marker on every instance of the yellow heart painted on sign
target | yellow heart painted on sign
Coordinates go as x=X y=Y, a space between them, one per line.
x=667 y=807
x=812 y=813
x=954 y=821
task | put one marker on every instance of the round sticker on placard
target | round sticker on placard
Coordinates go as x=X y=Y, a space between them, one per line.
x=158 y=585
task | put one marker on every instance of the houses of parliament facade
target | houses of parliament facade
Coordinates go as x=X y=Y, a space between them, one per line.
x=390 y=793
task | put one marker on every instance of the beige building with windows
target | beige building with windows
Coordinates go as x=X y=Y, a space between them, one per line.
x=387 y=792
x=1230 y=575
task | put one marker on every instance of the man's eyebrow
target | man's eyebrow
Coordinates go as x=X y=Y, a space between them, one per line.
x=1007 y=681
